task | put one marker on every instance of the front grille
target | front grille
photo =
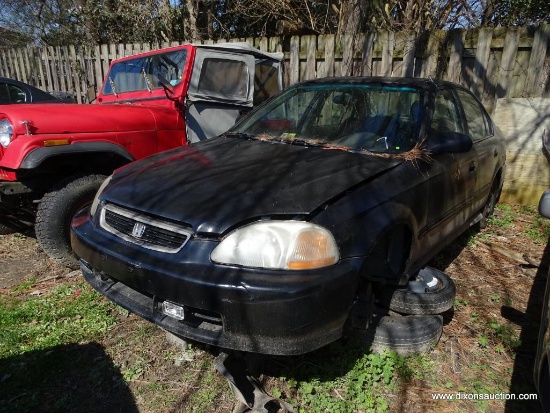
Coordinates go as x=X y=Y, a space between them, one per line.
x=144 y=230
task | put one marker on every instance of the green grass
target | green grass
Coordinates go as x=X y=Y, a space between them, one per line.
x=69 y=314
x=343 y=377
x=539 y=231
x=505 y=221
x=48 y=358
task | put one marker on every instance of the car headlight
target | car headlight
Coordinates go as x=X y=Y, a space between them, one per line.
x=6 y=132
x=291 y=245
x=95 y=203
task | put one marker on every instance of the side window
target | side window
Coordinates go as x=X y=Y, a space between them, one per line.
x=11 y=94
x=479 y=125
x=446 y=116
x=17 y=95
x=222 y=77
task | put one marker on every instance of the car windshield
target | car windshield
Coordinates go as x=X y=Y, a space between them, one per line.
x=372 y=117
x=142 y=73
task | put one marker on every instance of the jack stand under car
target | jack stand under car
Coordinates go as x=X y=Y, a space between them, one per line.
x=251 y=396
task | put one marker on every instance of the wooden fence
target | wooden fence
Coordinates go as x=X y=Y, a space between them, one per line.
x=509 y=66
x=493 y=63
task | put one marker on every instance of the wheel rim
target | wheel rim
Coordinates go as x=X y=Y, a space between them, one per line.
x=425 y=283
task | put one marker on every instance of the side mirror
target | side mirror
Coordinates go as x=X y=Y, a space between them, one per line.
x=448 y=142
x=544 y=204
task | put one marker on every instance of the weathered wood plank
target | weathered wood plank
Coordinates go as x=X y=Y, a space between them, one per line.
x=263 y=44
x=519 y=75
x=366 y=54
x=14 y=63
x=311 y=42
x=430 y=56
x=97 y=66
x=388 y=44
x=482 y=60
x=347 y=47
x=294 y=59
x=76 y=73
x=31 y=78
x=40 y=64
x=61 y=68
x=409 y=49
x=329 y=55
x=68 y=71
x=534 y=85
x=454 y=69
x=508 y=62
x=104 y=60
x=19 y=62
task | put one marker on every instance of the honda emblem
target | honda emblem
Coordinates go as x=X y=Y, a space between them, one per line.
x=138 y=230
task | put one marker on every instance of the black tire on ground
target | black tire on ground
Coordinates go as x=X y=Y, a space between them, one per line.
x=431 y=292
x=407 y=335
x=56 y=210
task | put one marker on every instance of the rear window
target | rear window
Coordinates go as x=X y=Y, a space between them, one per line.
x=479 y=125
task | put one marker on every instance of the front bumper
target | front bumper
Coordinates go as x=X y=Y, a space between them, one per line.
x=270 y=312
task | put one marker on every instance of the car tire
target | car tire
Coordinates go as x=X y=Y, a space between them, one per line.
x=55 y=212
x=421 y=296
x=489 y=207
x=407 y=335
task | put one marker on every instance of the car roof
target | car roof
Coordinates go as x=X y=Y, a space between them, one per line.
x=37 y=94
x=424 y=83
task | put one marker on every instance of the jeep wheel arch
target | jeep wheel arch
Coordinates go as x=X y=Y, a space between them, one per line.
x=43 y=157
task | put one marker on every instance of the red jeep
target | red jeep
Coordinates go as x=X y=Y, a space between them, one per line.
x=53 y=158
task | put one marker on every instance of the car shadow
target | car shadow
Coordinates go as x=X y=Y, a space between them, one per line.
x=67 y=378
x=529 y=321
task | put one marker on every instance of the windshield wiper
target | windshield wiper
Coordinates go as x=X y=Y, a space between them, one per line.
x=305 y=142
x=113 y=86
x=147 y=81
x=240 y=135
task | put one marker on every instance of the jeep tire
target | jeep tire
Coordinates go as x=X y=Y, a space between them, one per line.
x=56 y=210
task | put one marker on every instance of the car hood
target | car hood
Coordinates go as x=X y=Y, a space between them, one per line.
x=217 y=184
x=47 y=118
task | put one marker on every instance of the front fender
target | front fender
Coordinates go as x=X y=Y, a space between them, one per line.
x=38 y=155
x=358 y=235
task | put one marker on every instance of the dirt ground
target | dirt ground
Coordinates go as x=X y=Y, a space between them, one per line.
x=490 y=336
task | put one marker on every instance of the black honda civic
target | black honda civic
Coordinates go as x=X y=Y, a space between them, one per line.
x=315 y=211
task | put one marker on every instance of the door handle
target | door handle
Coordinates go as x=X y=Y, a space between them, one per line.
x=472 y=167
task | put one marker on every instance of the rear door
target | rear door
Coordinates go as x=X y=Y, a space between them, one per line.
x=480 y=128
x=451 y=176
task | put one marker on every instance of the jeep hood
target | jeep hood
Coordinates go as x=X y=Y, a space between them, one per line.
x=214 y=185
x=48 y=119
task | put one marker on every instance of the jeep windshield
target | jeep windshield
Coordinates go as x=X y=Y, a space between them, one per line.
x=372 y=117
x=142 y=73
